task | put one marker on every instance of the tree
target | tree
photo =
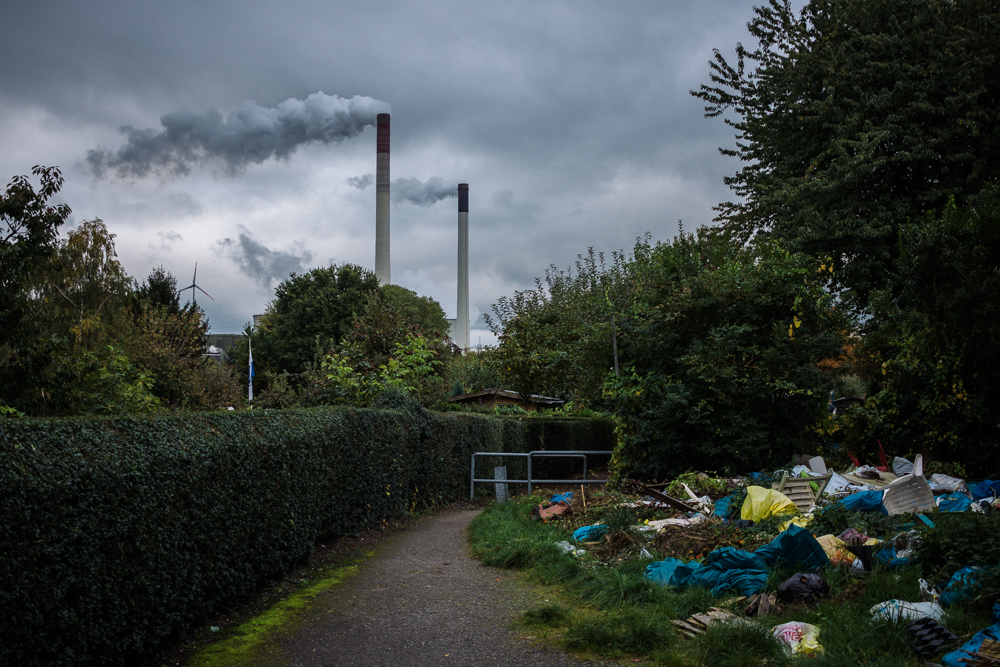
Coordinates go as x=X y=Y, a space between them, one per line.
x=555 y=339
x=422 y=313
x=936 y=386
x=29 y=228
x=160 y=289
x=854 y=119
x=721 y=365
x=85 y=292
x=310 y=315
x=413 y=368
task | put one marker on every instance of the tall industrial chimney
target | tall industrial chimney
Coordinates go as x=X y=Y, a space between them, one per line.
x=462 y=323
x=382 y=200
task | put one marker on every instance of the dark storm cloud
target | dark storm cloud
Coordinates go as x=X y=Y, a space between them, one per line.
x=247 y=136
x=412 y=190
x=263 y=265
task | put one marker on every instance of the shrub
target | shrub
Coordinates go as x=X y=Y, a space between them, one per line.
x=119 y=533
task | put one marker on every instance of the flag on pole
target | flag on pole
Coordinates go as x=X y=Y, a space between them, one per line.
x=250 y=347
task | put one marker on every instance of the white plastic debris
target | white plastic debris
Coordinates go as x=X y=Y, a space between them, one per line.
x=568 y=548
x=901 y=610
x=901 y=466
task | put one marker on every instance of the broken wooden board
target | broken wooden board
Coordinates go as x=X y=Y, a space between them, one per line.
x=696 y=624
x=668 y=501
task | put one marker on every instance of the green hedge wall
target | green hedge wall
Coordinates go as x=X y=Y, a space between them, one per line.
x=563 y=434
x=119 y=533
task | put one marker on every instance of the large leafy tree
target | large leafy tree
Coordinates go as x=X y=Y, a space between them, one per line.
x=74 y=356
x=310 y=314
x=29 y=230
x=722 y=369
x=853 y=119
x=936 y=386
x=422 y=314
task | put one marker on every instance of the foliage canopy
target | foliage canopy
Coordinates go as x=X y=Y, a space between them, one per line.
x=854 y=118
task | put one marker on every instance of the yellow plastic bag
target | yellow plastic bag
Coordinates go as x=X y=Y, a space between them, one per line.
x=762 y=503
x=834 y=548
x=803 y=521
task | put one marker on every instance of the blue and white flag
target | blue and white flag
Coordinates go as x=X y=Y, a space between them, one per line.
x=250 y=347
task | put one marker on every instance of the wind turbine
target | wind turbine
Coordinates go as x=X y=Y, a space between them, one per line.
x=194 y=286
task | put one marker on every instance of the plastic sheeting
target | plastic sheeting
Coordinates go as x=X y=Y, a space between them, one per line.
x=805 y=586
x=953 y=502
x=901 y=466
x=901 y=610
x=985 y=489
x=835 y=551
x=762 y=503
x=726 y=569
x=798 y=638
x=964 y=585
x=795 y=546
x=588 y=533
x=866 y=501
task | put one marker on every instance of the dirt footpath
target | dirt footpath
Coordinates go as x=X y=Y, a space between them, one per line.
x=422 y=600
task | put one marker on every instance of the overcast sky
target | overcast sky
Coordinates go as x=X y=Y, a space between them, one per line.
x=239 y=135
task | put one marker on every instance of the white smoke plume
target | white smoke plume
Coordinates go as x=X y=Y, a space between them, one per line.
x=411 y=190
x=259 y=262
x=249 y=135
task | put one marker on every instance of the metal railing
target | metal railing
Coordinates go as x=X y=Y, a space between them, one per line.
x=473 y=480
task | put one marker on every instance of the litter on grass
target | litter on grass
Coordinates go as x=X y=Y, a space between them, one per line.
x=697 y=623
x=984 y=643
x=799 y=638
x=590 y=533
x=803 y=587
x=900 y=610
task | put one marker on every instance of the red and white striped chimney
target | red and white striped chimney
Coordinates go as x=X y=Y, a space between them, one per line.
x=462 y=321
x=382 y=199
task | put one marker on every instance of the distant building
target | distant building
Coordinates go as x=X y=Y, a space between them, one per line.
x=212 y=352
x=491 y=398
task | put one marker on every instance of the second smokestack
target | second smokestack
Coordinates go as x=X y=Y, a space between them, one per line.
x=462 y=321
x=382 y=271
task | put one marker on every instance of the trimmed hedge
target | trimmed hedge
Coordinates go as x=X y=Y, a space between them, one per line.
x=563 y=434
x=119 y=533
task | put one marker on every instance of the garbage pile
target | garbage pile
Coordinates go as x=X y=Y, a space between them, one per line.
x=731 y=545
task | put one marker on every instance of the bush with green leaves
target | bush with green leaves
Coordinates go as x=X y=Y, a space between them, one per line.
x=121 y=532
x=721 y=357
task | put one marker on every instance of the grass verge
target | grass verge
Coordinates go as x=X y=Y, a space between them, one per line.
x=603 y=606
x=254 y=642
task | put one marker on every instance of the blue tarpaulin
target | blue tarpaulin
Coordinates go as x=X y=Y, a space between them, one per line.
x=985 y=489
x=729 y=569
x=864 y=501
x=588 y=533
x=794 y=547
x=722 y=507
x=726 y=569
x=963 y=585
x=953 y=502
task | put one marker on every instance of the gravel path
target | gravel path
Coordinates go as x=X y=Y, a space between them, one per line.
x=422 y=600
